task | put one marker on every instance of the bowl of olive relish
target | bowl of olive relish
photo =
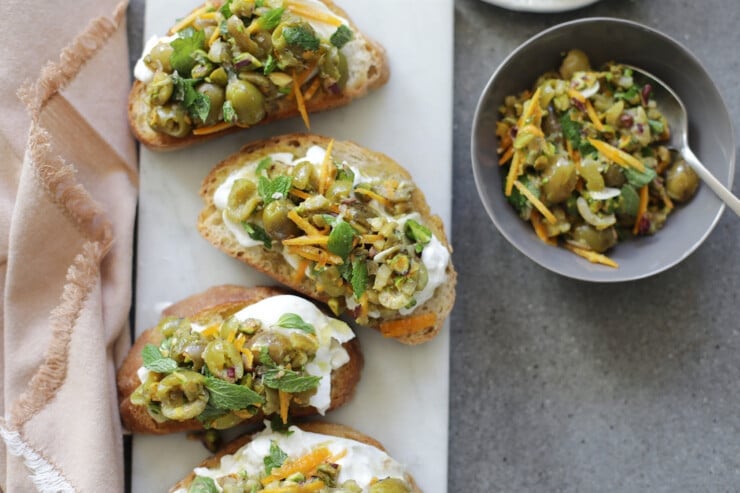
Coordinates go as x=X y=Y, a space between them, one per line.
x=572 y=153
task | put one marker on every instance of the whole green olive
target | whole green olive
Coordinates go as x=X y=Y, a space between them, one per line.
x=247 y=100
x=171 y=119
x=223 y=360
x=160 y=88
x=276 y=222
x=681 y=181
x=215 y=95
x=182 y=395
x=339 y=190
x=574 y=61
x=559 y=181
x=389 y=485
x=159 y=57
x=597 y=240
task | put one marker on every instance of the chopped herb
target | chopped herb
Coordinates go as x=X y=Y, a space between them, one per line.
x=229 y=112
x=301 y=36
x=277 y=425
x=293 y=321
x=519 y=201
x=270 y=19
x=197 y=103
x=270 y=65
x=275 y=459
x=359 y=277
x=154 y=361
x=188 y=41
x=572 y=132
x=289 y=381
x=259 y=3
x=344 y=173
x=210 y=414
x=257 y=233
x=630 y=95
x=202 y=484
x=226 y=9
x=656 y=126
x=629 y=201
x=341 y=36
x=225 y=395
x=268 y=189
x=265 y=359
x=639 y=179
x=340 y=239
x=264 y=164
x=418 y=233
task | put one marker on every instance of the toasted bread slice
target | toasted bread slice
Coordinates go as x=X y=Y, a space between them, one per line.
x=367 y=69
x=409 y=324
x=320 y=433
x=208 y=308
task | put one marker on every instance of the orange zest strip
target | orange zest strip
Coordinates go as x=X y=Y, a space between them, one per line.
x=211 y=330
x=300 y=102
x=214 y=36
x=540 y=230
x=506 y=155
x=302 y=11
x=212 y=128
x=641 y=209
x=324 y=177
x=303 y=224
x=513 y=173
x=593 y=257
x=369 y=193
x=300 y=193
x=307 y=240
x=591 y=112
x=316 y=254
x=409 y=325
x=284 y=398
x=312 y=89
x=573 y=94
x=536 y=202
x=303 y=464
x=617 y=155
x=189 y=19
x=532 y=129
x=534 y=103
x=300 y=271
x=364 y=306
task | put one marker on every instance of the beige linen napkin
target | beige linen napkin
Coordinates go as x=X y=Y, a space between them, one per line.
x=68 y=186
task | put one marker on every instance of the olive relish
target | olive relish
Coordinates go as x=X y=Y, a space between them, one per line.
x=230 y=63
x=584 y=159
x=355 y=235
x=262 y=358
x=299 y=461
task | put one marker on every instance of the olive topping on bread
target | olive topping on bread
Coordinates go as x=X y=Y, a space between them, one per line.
x=339 y=223
x=238 y=63
x=312 y=457
x=234 y=355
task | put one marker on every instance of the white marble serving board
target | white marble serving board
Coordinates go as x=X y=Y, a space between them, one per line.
x=402 y=398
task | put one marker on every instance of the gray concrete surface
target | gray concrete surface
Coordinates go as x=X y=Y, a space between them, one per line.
x=559 y=385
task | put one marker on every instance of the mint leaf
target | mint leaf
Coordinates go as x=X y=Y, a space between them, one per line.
x=270 y=19
x=154 y=361
x=639 y=179
x=258 y=234
x=210 y=414
x=188 y=41
x=301 y=36
x=629 y=201
x=630 y=95
x=225 y=395
x=656 y=126
x=197 y=103
x=265 y=358
x=359 y=277
x=341 y=36
x=202 y=484
x=277 y=425
x=289 y=381
x=518 y=200
x=572 y=132
x=340 y=239
x=293 y=321
x=268 y=189
x=275 y=459
x=226 y=9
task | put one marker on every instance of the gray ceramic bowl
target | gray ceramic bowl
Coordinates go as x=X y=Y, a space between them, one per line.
x=710 y=134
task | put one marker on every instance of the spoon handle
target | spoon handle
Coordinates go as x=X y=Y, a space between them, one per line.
x=717 y=187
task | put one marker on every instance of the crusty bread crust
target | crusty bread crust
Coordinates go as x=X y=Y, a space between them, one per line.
x=272 y=263
x=377 y=75
x=321 y=427
x=222 y=301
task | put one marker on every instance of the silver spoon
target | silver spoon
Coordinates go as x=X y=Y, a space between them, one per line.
x=675 y=113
